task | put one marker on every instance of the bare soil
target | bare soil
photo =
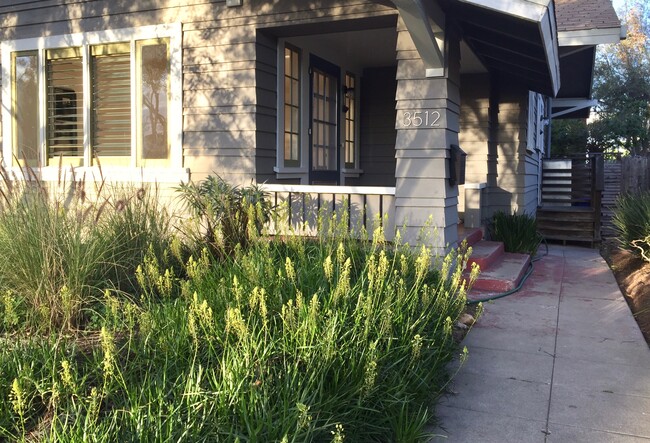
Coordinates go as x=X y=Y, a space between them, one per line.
x=633 y=277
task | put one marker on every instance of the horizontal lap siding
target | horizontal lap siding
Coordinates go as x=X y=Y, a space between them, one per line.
x=229 y=66
x=474 y=129
x=511 y=192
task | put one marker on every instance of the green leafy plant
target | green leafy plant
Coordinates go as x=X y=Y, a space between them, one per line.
x=288 y=339
x=227 y=215
x=518 y=232
x=632 y=222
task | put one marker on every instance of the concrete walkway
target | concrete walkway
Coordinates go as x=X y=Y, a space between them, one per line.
x=561 y=361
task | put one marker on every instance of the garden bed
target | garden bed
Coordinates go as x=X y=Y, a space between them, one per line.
x=118 y=325
x=633 y=277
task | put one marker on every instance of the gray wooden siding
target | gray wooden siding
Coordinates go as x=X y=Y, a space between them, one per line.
x=229 y=65
x=510 y=171
x=378 y=134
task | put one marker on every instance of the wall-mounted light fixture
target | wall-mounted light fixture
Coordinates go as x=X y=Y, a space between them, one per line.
x=347 y=93
x=234 y=2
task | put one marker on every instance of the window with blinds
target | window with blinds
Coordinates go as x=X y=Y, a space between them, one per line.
x=64 y=77
x=111 y=103
x=114 y=100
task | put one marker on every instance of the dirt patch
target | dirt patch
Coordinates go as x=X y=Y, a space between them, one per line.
x=633 y=277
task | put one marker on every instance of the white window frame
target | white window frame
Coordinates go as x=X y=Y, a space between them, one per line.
x=536 y=125
x=172 y=32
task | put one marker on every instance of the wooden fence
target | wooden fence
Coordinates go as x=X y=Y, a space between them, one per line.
x=627 y=175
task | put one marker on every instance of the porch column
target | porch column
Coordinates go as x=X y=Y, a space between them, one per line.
x=427 y=125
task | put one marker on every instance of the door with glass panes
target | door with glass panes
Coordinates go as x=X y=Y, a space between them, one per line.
x=324 y=122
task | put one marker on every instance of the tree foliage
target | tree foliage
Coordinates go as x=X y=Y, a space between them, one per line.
x=622 y=88
x=569 y=137
x=620 y=122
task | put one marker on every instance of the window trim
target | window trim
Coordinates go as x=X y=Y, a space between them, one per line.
x=172 y=32
x=301 y=172
x=280 y=169
x=355 y=170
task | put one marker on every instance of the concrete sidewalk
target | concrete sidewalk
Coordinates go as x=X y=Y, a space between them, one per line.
x=561 y=361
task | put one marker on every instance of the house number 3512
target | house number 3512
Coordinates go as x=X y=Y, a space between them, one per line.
x=416 y=119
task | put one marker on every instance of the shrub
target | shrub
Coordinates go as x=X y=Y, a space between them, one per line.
x=632 y=222
x=517 y=232
x=227 y=215
x=59 y=249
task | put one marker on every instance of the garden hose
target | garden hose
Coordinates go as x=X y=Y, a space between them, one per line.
x=519 y=286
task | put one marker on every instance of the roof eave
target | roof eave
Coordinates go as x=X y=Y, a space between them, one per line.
x=595 y=36
x=541 y=12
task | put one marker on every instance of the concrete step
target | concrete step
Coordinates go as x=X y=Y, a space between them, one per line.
x=485 y=253
x=504 y=274
x=471 y=235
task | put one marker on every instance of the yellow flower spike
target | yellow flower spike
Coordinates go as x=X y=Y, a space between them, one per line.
x=404 y=264
x=464 y=355
x=17 y=398
x=416 y=347
x=304 y=418
x=108 y=347
x=338 y=434
x=378 y=237
x=9 y=306
x=291 y=272
x=328 y=268
x=66 y=375
x=314 y=309
x=299 y=301
x=340 y=254
x=382 y=267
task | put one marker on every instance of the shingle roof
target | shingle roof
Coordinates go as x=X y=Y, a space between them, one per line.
x=572 y=15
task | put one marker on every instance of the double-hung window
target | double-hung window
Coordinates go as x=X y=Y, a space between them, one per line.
x=103 y=98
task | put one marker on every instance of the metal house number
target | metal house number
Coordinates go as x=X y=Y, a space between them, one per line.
x=416 y=119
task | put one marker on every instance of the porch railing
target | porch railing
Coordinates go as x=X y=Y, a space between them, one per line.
x=361 y=207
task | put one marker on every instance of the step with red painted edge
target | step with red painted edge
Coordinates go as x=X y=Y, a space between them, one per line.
x=504 y=274
x=485 y=253
x=471 y=235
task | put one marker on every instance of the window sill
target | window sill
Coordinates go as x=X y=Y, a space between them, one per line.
x=352 y=173
x=108 y=174
x=289 y=173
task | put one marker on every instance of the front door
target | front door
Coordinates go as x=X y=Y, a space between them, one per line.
x=324 y=122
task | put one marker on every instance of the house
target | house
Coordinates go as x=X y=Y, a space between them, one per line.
x=359 y=98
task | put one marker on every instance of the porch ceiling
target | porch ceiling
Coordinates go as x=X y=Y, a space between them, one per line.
x=513 y=39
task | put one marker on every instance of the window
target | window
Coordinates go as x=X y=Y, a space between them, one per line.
x=111 y=103
x=317 y=114
x=64 y=77
x=25 y=122
x=153 y=145
x=291 y=107
x=104 y=95
x=536 y=125
x=350 y=109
